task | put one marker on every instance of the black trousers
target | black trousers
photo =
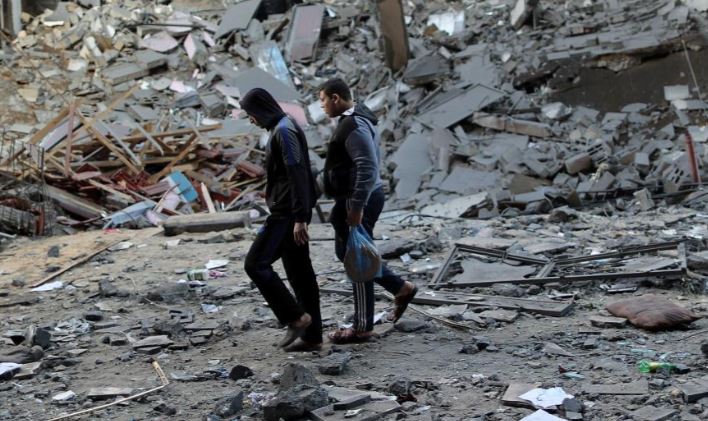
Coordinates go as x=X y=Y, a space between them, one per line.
x=363 y=292
x=275 y=241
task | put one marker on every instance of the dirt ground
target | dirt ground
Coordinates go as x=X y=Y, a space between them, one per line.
x=447 y=384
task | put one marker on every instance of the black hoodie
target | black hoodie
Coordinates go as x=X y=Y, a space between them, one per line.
x=290 y=188
x=352 y=165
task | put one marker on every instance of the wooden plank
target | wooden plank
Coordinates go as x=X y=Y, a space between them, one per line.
x=512 y=393
x=191 y=143
x=103 y=245
x=123 y=197
x=206 y=222
x=74 y=203
x=173 y=133
x=207 y=198
x=74 y=264
x=108 y=144
x=69 y=140
x=117 y=139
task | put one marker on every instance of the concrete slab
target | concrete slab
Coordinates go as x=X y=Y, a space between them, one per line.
x=426 y=69
x=460 y=107
x=640 y=387
x=268 y=57
x=258 y=78
x=411 y=161
x=304 y=32
x=475 y=270
x=237 y=17
x=457 y=207
x=467 y=180
x=652 y=413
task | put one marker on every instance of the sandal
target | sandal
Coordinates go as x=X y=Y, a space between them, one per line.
x=349 y=336
x=401 y=304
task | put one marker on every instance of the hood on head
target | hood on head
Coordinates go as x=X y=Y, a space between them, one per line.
x=263 y=107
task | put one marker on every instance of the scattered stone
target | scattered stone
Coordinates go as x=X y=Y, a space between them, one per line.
x=64 y=396
x=240 y=372
x=572 y=405
x=163 y=408
x=409 y=325
x=93 y=316
x=652 y=413
x=153 y=341
x=353 y=402
x=294 y=403
x=229 y=406
x=334 y=364
x=590 y=343
x=695 y=390
x=508 y=290
x=53 y=251
x=402 y=388
x=297 y=375
x=608 y=321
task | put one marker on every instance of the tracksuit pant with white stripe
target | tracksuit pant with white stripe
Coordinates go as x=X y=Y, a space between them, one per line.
x=363 y=292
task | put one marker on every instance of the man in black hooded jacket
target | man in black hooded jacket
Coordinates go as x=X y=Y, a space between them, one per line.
x=290 y=196
x=351 y=177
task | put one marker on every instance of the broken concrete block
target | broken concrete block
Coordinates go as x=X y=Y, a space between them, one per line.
x=676 y=92
x=695 y=390
x=643 y=198
x=608 y=322
x=237 y=17
x=521 y=12
x=335 y=363
x=512 y=125
x=123 y=72
x=652 y=413
x=578 y=163
x=153 y=341
x=639 y=387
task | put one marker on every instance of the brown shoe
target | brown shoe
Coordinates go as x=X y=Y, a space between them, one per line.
x=295 y=330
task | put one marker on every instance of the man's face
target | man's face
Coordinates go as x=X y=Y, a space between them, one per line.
x=329 y=104
x=253 y=121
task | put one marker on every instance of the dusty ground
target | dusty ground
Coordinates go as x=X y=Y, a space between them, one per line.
x=447 y=384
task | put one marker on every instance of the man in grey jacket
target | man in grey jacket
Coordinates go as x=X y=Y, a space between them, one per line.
x=351 y=177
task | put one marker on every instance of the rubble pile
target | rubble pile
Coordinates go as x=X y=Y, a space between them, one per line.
x=543 y=161
x=135 y=104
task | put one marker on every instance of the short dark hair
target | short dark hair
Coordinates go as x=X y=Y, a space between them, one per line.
x=337 y=86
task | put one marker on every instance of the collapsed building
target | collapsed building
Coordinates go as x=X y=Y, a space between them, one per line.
x=519 y=136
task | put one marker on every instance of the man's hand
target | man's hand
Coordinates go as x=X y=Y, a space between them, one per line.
x=355 y=217
x=300 y=233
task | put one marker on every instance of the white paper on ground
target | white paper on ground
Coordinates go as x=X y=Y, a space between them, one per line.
x=546 y=398
x=48 y=287
x=216 y=263
x=541 y=415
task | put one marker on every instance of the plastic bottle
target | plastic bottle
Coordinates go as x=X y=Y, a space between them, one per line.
x=198 y=275
x=646 y=366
